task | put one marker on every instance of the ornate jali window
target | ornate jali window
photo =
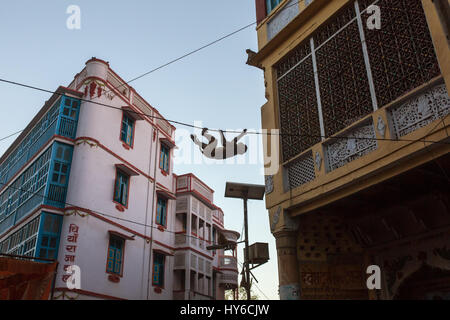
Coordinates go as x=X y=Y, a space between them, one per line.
x=299 y=117
x=352 y=80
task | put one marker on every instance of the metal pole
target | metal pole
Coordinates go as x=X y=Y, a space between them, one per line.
x=54 y=281
x=247 y=252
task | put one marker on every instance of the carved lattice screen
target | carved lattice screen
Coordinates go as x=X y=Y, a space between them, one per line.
x=401 y=54
x=299 y=117
x=401 y=57
x=344 y=86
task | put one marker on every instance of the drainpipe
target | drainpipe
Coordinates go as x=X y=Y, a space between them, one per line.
x=146 y=213
x=151 y=224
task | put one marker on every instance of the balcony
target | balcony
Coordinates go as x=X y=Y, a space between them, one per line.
x=228 y=279
x=218 y=217
x=228 y=262
x=190 y=183
x=273 y=24
x=406 y=127
x=344 y=119
x=46 y=124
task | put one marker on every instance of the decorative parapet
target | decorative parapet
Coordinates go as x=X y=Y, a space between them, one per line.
x=189 y=183
x=358 y=142
x=419 y=111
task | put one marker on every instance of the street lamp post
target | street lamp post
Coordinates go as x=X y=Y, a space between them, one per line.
x=245 y=192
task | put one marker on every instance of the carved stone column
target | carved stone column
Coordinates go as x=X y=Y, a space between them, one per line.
x=288 y=272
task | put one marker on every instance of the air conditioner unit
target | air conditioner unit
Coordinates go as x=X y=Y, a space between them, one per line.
x=258 y=252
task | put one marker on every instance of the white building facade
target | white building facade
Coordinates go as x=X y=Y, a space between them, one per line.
x=92 y=185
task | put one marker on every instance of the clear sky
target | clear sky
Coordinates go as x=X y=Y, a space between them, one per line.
x=214 y=86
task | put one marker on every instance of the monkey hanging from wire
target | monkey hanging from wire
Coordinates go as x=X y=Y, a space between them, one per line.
x=229 y=149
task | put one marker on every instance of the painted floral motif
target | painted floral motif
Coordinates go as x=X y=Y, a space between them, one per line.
x=75 y=213
x=94 y=88
x=85 y=141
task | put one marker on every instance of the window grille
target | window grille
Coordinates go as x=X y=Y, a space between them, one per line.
x=300 y=171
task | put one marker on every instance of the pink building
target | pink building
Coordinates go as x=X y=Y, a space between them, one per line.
x=104 y=198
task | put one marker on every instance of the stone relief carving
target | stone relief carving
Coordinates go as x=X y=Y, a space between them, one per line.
x=342 y=151
x=420 y=111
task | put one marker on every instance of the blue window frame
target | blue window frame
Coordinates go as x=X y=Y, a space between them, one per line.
x=127 y=131
x=59 y=175
x=158 y=269
x=49 y=234
x=164 y=158
x=121 y=188
x=272 y=4
x=69 y=117
x=114 y=262
x=161 y=212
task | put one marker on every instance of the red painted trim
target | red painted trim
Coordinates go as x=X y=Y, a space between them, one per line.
x=127 y=101
x=98 y=60
x=100 y=217
x=89 y=293
x=165 y=194
x=120 y=207
x=199 y=180
x=163 y=252
x=157 y=289
x=114 y=278
x=169 y=143
x=76 y=92
x=115 y=155
x=120 y=235
x=129 y=171
x=163 y=245
x=218 y=222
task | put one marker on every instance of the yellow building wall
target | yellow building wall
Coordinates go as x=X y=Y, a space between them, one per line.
x=370 y=169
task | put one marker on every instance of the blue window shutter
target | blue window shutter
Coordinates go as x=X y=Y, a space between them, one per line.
x=127 y=130
x=121 y=188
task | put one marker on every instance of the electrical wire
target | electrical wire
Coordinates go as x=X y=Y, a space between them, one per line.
x=255 y=283
x=97 y=212
x=200 y=48
x=339 y=137
x=11 y=135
